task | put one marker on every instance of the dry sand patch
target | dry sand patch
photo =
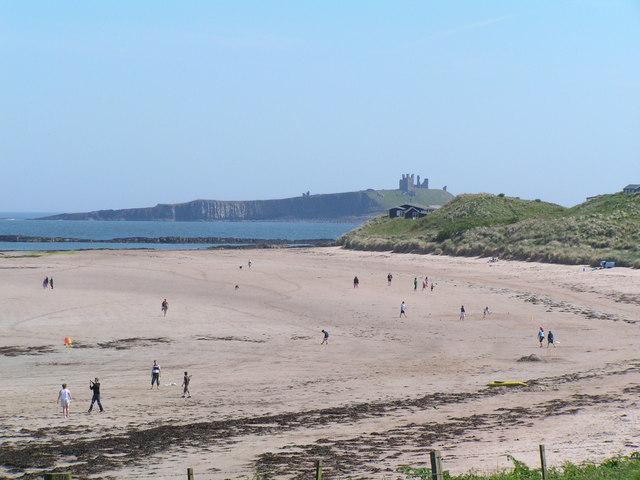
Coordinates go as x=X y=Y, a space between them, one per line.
x=268 y=397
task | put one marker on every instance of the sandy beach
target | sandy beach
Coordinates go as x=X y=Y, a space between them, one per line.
x=268 y=397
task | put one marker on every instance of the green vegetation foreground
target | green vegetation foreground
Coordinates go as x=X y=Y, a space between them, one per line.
x=604 y=228
x=617 y=468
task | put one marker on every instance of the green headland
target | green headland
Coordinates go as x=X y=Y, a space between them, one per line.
x=604 y=228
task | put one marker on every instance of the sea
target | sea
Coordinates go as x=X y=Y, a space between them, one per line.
x=24 y=224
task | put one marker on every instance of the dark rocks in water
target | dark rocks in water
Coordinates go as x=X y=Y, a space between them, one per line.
x=217 y=242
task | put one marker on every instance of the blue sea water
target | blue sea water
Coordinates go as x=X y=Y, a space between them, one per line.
x=12 y=223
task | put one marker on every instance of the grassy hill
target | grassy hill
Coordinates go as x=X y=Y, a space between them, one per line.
x=604 y=228
x=424 y=197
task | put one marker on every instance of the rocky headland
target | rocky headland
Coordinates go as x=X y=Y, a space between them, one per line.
x=334 y=207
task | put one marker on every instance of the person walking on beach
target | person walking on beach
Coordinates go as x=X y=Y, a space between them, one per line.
x=403 y=309
x=415 y=284
x=463 y=313
x=249 y=263
x=155 y=375
x=64 y=399
x=485 y=312
x=325 y=338
x=95 y=388
x=389 y=278
x=432 y=285
x=185 y=383
x=356 y=282
x=550 y=339
x=541 y=336
x=165 y=307
x=45 y=282
x=51 y=283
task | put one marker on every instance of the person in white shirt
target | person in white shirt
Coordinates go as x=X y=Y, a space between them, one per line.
x=64 y=399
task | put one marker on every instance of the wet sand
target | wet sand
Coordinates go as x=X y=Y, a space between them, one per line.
x=267 y=397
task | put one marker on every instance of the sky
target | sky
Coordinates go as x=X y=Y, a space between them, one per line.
x=123 y=104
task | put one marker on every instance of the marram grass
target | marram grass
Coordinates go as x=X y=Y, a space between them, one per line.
x=606 y=228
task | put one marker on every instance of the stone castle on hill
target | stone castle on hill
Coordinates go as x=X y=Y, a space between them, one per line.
x=408 y=184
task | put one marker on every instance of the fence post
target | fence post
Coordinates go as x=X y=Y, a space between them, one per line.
x=189 y=473
x=318 y=469
x=543 y=463
x=436 y=465
x=56 y=476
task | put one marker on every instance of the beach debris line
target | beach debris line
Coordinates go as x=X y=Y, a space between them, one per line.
x=530 y=358
x=498 y=383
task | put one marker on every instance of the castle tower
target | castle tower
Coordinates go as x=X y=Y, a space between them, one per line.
x=408 y=185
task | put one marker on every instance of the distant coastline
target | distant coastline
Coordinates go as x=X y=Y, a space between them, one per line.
x=349 y=207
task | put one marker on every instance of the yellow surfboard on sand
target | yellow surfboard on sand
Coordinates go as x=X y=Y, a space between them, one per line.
x=497 y=383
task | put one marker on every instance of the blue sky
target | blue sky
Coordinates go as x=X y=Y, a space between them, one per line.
x=124 y=104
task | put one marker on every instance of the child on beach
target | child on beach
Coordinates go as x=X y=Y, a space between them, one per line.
x=541 y=336
x=64 y=399
x=463 y=313
x=403 y=309
x=185 y=384
x=325 y=339
x=550 y=339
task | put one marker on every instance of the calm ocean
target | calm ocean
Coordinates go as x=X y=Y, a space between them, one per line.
x=12 y=223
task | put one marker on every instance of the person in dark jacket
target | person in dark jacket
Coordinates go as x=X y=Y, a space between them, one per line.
x=95 y=388
x=550 y=339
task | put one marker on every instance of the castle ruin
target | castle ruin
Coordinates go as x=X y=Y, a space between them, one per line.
x=408 y=184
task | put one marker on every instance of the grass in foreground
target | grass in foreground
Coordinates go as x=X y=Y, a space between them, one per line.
x=617 y=468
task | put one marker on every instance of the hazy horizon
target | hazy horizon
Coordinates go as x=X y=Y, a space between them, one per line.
x=127 y=105
x=24 y=212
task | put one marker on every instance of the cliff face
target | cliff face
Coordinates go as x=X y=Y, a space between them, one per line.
x=335 y=206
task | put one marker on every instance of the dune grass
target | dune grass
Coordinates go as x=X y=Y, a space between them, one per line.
x=605 y=228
